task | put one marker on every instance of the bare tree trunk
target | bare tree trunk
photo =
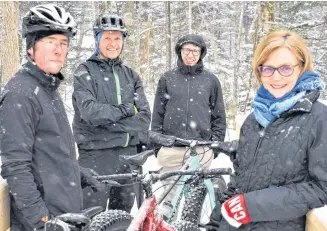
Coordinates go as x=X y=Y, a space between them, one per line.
x=10 y=60
x=146 y=51
x=190 y=17
x=168 y=23
x=236 y=81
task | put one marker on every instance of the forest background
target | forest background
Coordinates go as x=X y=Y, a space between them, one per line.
x=231 y=30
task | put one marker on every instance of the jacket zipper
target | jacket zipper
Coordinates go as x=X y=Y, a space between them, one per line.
x=261 y=135
x=188 y=99
x=118 y=93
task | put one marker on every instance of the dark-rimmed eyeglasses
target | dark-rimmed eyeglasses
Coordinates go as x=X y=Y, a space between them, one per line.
x=285 y=70
x=52 y=44
x=186 y=51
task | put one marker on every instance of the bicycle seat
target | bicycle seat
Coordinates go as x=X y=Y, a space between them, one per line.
x=138 y=159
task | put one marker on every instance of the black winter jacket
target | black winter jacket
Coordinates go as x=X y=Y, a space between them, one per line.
x=102 y=101
x=37 y=148
x=282 y=169
x=189 y=101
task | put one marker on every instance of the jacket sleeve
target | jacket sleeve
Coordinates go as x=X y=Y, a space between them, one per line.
x=141 y=121
x=295 y=200
x=159 y=106
x=218 y=115
x=91 y=110
x=18 y=121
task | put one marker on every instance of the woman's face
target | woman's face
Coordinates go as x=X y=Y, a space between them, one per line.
x=284 y=79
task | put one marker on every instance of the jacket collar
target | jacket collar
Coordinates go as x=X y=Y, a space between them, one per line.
x=193 y=70
x=110 y=62
x=48 y=81
x=305 y=104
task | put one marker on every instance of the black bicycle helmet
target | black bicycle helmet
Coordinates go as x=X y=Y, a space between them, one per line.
x=48 y=17
x=109 y=22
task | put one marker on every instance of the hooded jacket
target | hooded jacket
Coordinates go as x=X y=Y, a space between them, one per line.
x=189 y=100
x=282 y=169
x=104 y=90
x=37 y=148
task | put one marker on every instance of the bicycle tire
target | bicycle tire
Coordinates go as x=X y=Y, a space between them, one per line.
x=111 y=220
x=197 y=207
x=182 y=225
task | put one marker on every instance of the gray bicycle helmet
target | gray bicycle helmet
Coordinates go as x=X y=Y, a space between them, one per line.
x=109 y=22
x=48 y=17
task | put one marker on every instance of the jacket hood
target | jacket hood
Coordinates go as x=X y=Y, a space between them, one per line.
x=193 y=39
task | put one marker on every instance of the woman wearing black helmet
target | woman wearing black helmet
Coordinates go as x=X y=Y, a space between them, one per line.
x=110 y=110
x=36 y=143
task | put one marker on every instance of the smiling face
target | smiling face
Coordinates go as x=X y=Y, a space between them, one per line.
x=277 y=84
x=111 y=44
x=50 y=52
x=190 y=54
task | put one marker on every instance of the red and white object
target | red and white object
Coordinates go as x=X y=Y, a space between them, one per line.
x=234 y=211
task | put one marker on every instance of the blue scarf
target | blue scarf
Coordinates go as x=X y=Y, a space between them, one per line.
x=267 y=108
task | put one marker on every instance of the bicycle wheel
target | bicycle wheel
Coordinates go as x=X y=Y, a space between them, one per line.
x=197 y=208
x=185 y=226
x=111 y=220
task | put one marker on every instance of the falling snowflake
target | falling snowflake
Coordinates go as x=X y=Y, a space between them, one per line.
x=193 y=124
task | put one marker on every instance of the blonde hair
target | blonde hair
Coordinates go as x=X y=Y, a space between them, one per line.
x=277 y=39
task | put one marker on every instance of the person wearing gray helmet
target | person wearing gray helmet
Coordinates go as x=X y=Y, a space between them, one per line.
x=110 y=111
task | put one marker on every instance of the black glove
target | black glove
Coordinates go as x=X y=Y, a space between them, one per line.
x=127 y=109
x=87 y=179
x=156 y=140
x=228 y=147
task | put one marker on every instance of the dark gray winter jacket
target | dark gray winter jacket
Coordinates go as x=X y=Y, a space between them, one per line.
x=105 y=93
x=189 y=101
x=282 y=169
x=37 y=148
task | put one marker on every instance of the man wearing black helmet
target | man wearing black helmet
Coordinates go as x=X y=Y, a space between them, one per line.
x=110 y=110
x=188 y=104
x=36 y=143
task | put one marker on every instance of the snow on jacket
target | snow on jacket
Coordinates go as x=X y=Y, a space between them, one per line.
x=189 y=101
x=102 y=91
x=282 y=169
x=37 y=147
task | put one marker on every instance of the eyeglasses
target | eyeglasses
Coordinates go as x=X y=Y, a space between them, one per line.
x=285 y=70
x=52 y=44
x=186 y=51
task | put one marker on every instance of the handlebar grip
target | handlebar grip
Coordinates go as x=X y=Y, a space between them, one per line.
x=217 y=171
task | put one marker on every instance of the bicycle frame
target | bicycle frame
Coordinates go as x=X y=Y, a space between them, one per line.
x=149 y=219
x=193 y=163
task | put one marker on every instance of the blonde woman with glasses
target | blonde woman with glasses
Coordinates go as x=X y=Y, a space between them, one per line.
x=281 y=162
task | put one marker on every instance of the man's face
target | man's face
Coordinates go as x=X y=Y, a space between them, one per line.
x=190 y=54
x=111 y=44
x=50 y=53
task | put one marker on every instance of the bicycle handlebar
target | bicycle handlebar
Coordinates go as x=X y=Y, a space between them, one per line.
x=193 y=143
x=205 y=173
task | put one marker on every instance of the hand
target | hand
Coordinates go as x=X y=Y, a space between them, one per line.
x=235 y=212
x=87 y=179
x=156 y=138
x=128 y=109
x=45 y=219
x=228 y=147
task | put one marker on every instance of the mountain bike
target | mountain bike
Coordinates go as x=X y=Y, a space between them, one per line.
x=147 y=219
x=200 y=194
